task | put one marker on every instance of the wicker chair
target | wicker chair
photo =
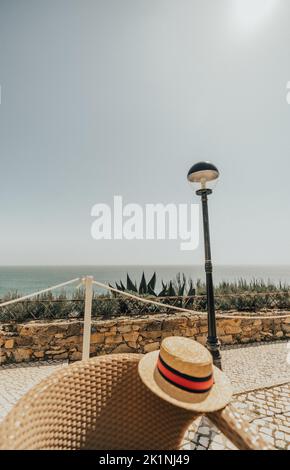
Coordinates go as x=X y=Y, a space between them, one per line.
x=102 y=404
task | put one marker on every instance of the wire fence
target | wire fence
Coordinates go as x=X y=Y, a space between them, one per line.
x=47 y=307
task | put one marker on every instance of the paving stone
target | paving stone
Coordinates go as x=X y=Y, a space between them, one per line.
x=215 y=446
x=266 y=431
x=204 y=441
x=269 y=439
x=204 y=430
x=281 y=444
x=219 y=439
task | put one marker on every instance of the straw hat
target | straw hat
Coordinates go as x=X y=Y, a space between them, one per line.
x=183 y=374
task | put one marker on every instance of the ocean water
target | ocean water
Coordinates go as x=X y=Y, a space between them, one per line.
x=28 y=279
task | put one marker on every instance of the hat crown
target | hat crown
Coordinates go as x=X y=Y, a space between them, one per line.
x=186 y=357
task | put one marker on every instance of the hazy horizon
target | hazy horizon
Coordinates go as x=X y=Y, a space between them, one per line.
x=28 y=279
x=188 y=265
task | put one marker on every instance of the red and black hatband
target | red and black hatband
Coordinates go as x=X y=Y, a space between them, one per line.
x=184 y=381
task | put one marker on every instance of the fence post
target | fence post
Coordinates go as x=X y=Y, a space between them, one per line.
x=87 y=317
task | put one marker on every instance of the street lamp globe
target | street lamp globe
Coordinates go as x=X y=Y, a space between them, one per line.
x=202 y=173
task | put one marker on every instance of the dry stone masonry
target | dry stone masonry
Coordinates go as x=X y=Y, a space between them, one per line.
x=61 y=340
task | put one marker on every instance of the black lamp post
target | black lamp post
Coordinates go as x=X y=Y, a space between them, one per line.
x=201 y=173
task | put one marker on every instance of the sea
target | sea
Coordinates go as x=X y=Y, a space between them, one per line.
x=29 y=279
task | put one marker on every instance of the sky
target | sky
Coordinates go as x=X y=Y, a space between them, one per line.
x=105 y=98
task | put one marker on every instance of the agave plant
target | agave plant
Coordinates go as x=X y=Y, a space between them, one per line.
x=175 y=288
x=143 y=289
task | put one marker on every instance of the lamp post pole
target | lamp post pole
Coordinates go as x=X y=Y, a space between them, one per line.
x=203 y=173
x=213 y=343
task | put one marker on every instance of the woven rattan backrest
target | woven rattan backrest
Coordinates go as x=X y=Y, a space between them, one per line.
x=98 y=404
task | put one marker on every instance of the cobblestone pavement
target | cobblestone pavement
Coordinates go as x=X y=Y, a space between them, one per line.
x=17 y=379
x=259 y=373
x=257 y=366
x=268 y=411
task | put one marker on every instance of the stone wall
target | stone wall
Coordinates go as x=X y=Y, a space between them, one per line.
x=63 y=339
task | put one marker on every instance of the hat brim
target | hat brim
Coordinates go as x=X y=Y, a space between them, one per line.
x=217 y=398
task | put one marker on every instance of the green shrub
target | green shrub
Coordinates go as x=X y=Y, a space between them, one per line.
x=241 y=295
